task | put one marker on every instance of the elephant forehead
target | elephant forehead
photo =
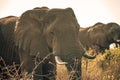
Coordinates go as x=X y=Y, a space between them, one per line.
x=63 y=15
x=61 y=19
x=61 y=25
x=65 y=24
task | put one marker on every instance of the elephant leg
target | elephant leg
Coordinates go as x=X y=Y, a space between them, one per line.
x=75 y=69
x=49 y=69
x=28 y=65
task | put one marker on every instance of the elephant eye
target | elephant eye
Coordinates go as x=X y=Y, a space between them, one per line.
x=52 y=33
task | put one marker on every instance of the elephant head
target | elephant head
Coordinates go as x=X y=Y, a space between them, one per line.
x=100 y=36
x=112 y=31
x=97 y=37
x=50 y=31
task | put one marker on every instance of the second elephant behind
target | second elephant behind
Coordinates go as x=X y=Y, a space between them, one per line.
x=99 y=36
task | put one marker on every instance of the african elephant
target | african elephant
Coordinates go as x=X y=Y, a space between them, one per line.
x=99 y=36
x=8 y=50
x=43 y=31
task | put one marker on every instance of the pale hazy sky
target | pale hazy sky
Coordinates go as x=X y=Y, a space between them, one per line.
x=88 y=12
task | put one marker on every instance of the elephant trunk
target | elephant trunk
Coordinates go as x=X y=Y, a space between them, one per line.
x=86 y=55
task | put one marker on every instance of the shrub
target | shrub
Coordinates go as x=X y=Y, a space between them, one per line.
x=106 y=66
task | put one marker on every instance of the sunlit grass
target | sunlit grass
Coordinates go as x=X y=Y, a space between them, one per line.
x=106 y=66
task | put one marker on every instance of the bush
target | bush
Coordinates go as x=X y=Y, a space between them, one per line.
x=105 y=67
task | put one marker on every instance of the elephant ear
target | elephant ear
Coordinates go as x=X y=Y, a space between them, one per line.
x=29 y=33
x=70 y=10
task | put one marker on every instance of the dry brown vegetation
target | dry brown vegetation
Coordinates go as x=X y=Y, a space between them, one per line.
x=105 y=67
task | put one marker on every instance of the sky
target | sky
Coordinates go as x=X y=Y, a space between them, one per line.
x=88 y=12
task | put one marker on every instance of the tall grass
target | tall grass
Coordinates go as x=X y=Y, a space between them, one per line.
x=106 y=66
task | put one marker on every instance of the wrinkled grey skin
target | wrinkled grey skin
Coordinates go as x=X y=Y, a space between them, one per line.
x=49 y=31
x=8 y=50
x=99 y=36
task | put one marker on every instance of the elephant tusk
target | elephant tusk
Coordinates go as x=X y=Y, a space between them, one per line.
x=59 y=61
x=118 y=40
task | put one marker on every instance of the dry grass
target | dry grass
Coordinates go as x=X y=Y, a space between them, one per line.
x=104 y=67
x=11 y=71
x=62 y=73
